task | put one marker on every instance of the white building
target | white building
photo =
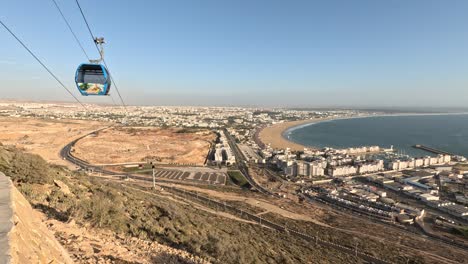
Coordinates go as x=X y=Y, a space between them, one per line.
x=419 y=162
x=291 y=169
x=219 y=155
x=370 y=167
x=341 y=171
x=428 y=197
x=303 y=168
x=316 y=169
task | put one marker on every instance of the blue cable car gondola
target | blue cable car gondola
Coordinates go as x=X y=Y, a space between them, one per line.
x=92 y=79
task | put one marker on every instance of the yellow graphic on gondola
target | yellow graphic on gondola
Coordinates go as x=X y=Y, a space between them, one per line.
x=91 y=88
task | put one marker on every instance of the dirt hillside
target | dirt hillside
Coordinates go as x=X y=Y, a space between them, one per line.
x=29 y=239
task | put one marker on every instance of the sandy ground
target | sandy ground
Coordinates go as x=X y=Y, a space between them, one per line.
x=273 y=134
x=121 y=145
x=43 y=137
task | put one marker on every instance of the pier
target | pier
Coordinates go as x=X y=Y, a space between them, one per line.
x=433 y=150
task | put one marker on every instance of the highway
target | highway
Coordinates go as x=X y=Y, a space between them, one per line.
x=242 y=165
x=65 y=153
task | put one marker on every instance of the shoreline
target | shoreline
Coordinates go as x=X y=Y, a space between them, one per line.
x=277 y=134
x=273 y=135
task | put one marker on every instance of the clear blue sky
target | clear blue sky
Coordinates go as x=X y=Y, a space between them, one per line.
x=263 y=52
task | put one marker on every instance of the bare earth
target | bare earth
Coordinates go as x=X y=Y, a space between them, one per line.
x=31 y=241
x=267 y=205
x=125 y=145
x=89 y=245
x=44 y=137
x=273 y=134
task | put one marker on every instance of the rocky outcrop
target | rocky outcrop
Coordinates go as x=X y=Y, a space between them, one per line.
x=28 y=240
x=63 y=187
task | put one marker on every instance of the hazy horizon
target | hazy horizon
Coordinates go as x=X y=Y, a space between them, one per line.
x=364 y=54
x=394 y=109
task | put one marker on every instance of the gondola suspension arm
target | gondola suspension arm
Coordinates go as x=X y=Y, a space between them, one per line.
x=99 y=41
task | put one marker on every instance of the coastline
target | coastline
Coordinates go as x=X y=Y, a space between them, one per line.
x=276 y=135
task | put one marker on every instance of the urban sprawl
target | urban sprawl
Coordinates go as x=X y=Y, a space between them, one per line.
x=375 y=181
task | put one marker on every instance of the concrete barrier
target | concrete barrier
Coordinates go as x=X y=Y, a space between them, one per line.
x=6 y=218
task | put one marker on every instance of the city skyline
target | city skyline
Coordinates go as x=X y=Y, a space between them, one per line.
x=262 y=54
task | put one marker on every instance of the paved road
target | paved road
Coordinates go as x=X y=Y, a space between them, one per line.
x=65 y=153
x=6 y=214
x=242 y=164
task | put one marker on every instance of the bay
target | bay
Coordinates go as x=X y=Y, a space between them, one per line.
x=448 y=132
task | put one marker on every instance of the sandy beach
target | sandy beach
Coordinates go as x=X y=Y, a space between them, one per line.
x=273 y=134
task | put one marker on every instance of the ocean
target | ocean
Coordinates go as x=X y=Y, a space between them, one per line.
x=448 y=132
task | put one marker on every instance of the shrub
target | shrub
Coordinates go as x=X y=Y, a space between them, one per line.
x=24 y=167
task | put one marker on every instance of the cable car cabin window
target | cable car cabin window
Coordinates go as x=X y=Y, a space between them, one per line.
x=92 y=79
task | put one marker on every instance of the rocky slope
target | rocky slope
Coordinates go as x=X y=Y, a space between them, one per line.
x=41 y=224
x=29 y=240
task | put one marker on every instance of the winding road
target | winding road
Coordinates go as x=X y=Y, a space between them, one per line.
x=65 y=153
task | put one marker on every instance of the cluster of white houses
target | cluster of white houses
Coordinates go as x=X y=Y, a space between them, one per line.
x=359 y=168
x=223 y=153
x=328 y=161
x=422 y=186
x=320 y=168
x=343 y=162
x=345 y=151
x=359 y=150
x=304 y=168
x=418 y=162
x=339 y=166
